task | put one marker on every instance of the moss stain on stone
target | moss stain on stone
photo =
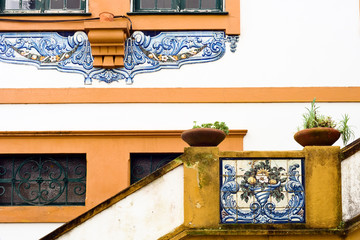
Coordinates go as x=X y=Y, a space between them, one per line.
x=202 y=162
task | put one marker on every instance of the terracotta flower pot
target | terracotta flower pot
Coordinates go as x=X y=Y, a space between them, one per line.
x=320 y=136
x=202 y=137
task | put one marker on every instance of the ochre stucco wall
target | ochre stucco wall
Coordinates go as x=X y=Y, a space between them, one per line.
x=202 y=191
x=323 y=187
x=355 y=235
x=108 y=165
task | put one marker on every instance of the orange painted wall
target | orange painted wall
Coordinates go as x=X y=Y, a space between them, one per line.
x=179 y=95
x=230 y=22
x=107 y=162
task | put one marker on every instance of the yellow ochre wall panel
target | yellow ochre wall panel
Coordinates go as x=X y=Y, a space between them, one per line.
x=108 y=164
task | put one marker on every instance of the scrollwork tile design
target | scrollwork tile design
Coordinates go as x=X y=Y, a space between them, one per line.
x=262 y=191
x=143 y=53
x=48 y=51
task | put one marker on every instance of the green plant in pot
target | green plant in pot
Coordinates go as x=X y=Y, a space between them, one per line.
x=320 y=130
x=206 y=134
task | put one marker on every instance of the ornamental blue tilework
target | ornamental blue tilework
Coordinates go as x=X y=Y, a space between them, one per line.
x=143 y=53
x=262 y=191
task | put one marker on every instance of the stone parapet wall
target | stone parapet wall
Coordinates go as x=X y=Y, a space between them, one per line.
x=350 y=169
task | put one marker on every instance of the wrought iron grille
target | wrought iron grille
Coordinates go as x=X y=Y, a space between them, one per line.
x=42 y=179
x=143 y=164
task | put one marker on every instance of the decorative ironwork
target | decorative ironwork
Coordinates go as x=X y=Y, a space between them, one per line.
x=143 y=53
x=259 y=188
x=55 y=179
x=143 y=164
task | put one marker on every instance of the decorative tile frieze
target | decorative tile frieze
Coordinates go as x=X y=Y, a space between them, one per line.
x=233 y=40
x=143 y=52
x=262 y=190
x=48 y=51
x=170 y=50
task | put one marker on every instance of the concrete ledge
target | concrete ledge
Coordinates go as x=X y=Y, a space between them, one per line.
x=186 y=233
x=350 y=149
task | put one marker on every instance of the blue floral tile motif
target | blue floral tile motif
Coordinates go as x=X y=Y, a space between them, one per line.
x=48 y=50
x=143 y=52
x=262 y=191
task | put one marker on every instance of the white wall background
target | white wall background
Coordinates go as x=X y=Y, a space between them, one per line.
x=270 y=126
x=149 y=213
x=28 y=231
x=283 y=43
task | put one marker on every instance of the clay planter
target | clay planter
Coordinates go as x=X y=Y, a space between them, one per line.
x=203 y=137
x=320 y=136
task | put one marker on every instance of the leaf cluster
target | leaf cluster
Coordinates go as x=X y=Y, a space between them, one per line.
x=216 y=125
x=312 y=119
x=274 y=173
x=277 y=193
x=346 y=132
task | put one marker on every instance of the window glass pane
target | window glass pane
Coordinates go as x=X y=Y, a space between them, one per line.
x=143 y=164
x=12 y=4
x=73 y=4
x=208 y=4
x=17 y=4
x=192 y=4
x=42 y=179
x=164 y=4
x=56 y=4
x=147 y=4
x=28 y=4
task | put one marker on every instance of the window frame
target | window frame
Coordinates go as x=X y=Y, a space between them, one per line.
x=178 y=6
x=43 y=7
x=148 y=162
x=63 y=175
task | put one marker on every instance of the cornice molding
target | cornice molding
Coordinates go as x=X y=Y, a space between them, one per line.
x=115 y=133
x=107 y=39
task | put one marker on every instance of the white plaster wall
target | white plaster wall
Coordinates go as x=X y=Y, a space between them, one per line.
x=270 y=126
x=28 y=231
x=149 y=213
x=350 y=186
x=282 y=43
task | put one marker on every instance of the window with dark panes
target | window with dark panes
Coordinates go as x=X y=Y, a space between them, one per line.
x=143 y=164
x=43 y=6
x=42 y=179
x=178 y=5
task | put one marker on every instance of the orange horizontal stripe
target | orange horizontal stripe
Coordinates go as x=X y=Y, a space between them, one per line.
x=135 y=133
x=179 y=95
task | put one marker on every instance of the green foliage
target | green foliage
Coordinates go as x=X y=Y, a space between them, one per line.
x=313 y=119
x=216 y=125
x=345 y=130
x=252 y=179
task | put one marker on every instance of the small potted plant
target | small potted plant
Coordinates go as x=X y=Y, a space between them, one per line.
x=320 y=130
x=206 y=134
